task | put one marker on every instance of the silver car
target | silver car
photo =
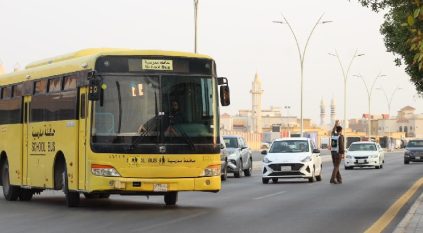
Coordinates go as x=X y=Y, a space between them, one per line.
x=240 y=158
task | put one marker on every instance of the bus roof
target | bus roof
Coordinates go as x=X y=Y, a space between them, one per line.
x=80 y=60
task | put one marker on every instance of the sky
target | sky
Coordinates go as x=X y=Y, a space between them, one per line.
x=238 y=34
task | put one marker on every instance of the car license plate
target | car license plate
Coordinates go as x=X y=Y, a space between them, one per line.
x=361 y=161
x=417 y=157
x=160 y=187
x=285 y=168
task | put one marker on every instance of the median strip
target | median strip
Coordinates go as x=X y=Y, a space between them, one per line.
x=390 y=214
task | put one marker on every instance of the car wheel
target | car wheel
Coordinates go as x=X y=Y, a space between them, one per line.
x=247 y=172
x=237 y=174
x=312 y=178
x=224 y=175
x=265 y=180
x=377 y=167
x=406 y=161
x=348 y=168
x=319 y=177
x=275 y=180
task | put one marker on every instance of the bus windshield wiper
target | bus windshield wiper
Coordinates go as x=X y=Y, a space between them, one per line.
x=184 y=135
x=149 y=128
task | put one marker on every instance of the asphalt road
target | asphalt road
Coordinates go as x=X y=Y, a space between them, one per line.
x=244 y=205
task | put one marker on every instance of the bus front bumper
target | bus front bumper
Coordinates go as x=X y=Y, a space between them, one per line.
x=153 y=185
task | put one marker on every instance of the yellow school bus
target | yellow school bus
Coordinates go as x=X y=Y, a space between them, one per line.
x=111 y=121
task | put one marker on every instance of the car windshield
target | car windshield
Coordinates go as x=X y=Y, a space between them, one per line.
x=289 y=146
x=231 y=142
x=415 y=143
x=362 y=147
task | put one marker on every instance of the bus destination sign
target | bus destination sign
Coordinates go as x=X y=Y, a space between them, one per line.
x=156 y=64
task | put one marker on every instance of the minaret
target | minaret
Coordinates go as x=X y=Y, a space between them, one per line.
x=256 y=92
x=322 y=113
x=332 y=112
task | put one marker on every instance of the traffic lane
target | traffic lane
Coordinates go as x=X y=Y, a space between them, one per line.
x=243 y=205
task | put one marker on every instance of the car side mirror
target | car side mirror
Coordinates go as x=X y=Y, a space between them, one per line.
x=264 y=152
x=316 y=151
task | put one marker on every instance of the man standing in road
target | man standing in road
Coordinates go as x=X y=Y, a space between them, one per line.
x=337 y=151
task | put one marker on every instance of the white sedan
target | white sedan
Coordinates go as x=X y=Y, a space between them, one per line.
x=292 y=158
x=364 y=154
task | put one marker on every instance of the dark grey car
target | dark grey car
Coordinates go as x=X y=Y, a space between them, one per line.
x=239 y=156
x=414 y=151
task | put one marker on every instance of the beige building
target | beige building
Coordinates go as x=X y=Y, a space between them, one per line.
x=406 y=123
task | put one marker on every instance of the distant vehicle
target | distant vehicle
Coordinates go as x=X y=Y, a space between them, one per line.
x=364 y=154
x=223 y=159
x=292 y=158
x=240 y=158
x=414 y=151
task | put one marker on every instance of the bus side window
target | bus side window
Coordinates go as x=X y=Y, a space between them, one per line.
x=40 y=87
x=69 y=83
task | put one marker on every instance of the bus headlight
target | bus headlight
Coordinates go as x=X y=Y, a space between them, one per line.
x=103 y=170
x=213 y=170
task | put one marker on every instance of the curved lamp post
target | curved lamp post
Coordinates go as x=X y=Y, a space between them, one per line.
x=389 y=102
x=301 y=56
x=369 y=96
x=345 y=76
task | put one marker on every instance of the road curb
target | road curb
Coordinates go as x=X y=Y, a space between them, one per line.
x=411 y=219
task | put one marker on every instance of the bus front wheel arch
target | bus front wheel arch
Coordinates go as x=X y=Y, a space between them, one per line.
x=58 y=168
x=3 y=159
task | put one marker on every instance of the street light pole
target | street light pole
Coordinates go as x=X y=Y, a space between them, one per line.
x=345 y=76
x=301 y=56
x=369 y=96
x=389 y=102
x=195 y=24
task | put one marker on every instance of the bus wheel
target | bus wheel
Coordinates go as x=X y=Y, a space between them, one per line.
x=26 y=195
x=171 y=198
x=11 y=192
x=104 y=195
x=72 y=197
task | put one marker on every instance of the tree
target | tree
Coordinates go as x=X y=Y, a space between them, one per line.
x=403 y=34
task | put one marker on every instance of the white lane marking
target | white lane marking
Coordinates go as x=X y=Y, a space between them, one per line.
x=170 y=222
x=269 y=195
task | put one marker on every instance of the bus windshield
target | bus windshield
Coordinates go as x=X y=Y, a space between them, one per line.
x=155 y=109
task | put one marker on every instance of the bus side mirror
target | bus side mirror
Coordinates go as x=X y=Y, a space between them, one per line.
x=225 y=99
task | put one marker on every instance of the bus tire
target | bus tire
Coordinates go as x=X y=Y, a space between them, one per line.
x=171 y=198
x=10 y=192
x=72 y=197
x=26 y=195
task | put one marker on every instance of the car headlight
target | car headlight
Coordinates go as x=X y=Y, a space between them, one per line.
x=374 y=156
x=349 y=157
x=407 y=152
x=104 y=170
x=306 y=159
x=266 y=160
x=213 y=170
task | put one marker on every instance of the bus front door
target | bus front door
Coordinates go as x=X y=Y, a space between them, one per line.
x=25 y=134
x=82 y=139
